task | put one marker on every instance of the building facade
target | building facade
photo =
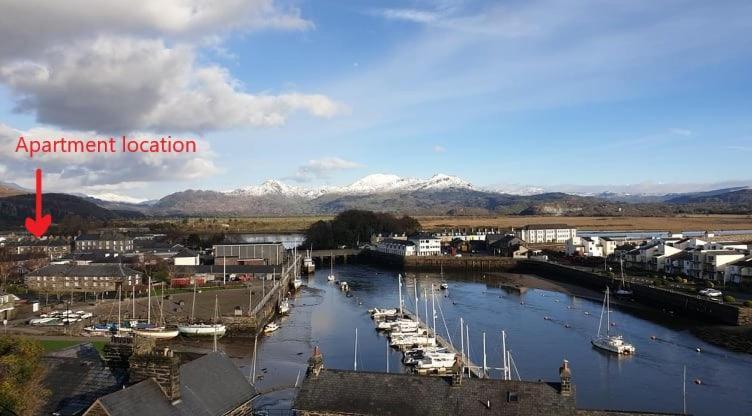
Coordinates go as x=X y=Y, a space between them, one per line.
x=426 y=245
x=272 y=254
x=118 y=243
x=57 y=278
x=546 y=233
x=396 y=247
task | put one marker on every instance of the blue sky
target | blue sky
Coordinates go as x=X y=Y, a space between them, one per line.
x=542 y=93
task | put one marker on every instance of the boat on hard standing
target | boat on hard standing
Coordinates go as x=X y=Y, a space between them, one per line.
x=151 y=330
x=202 y=329
x=608 y=342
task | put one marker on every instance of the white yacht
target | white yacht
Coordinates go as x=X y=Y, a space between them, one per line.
x=201 y=329
x=608 y=342
x=436 y=361
x=377 y=313
x=271 y=327
x=151 y=330
x=309 y=267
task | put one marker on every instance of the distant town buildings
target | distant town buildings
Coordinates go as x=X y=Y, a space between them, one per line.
x=52 y=248
x=546 y=233
x=113 y=242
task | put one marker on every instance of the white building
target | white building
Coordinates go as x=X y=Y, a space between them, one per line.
x=186 y=257
x=396 y=247
x=426 y=245
x=739 y=271
x=711 y=264
x=590 y=246
x=546 y=233
x=652 y=255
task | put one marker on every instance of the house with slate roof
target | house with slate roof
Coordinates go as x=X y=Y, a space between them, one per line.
x=327 y=392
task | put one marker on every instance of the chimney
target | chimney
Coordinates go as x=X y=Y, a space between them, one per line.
x=315 y=363
x=162 y=366
x=566 y=376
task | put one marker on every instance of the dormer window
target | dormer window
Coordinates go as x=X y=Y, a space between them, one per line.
x=512 y=397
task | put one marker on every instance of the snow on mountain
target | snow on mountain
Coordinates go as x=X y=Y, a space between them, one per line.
x=516 y=189
x=371 y=184
x=110 y=197
x=273 y=187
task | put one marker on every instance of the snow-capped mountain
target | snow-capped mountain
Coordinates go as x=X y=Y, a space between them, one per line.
x=372 y=184
x=110 y=197
x=274 y=187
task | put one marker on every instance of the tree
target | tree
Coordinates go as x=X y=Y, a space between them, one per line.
x=21 y=373
x=356 y=226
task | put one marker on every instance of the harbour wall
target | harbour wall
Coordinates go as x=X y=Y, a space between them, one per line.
x=692 y=306
x=687 y=305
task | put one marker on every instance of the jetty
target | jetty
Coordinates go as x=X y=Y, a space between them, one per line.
x=469 y=368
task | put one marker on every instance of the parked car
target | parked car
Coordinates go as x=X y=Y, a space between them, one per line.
x=711 y=293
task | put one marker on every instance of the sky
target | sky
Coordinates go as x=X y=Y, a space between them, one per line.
x=559 y=94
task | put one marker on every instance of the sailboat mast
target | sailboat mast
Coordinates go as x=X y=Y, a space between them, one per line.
x=120 y=301
x=133 y=301
x=193 y=303
x=216 y=309
x=356 y=350
x=433 y=308
x=603 y=308
x=399 y=292
x=148 y=309
x=608 y=312
x=425 y=301
x=417 y=311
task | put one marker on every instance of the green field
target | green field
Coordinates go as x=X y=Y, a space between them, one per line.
x=57 y=345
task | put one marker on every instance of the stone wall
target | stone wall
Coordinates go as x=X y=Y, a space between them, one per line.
x=436 y=263
x=656 y=297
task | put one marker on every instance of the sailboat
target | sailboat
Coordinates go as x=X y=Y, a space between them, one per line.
x=608 y=342
x=152 y=330
x=201 y=329
x=331 y=269
x=623 y=291
x=443 y=285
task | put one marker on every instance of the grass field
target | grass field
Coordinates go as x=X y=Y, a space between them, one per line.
x=57 y=345
x=301 y=223
x=679 y=223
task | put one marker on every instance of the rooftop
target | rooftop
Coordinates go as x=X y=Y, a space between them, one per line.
x=74 y=270
x=384 y=394
x=397 y=242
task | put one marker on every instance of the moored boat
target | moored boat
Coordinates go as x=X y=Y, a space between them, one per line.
x=607 y=341
x=271 y=327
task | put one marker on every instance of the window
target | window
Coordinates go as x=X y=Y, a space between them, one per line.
x=512 y=397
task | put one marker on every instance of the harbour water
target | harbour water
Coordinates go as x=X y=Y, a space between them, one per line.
x=544 y=323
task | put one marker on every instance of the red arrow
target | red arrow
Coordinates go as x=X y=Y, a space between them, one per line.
x=39 y=225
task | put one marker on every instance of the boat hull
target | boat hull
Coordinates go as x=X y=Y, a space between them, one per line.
x=202 y=330
x=157 y=334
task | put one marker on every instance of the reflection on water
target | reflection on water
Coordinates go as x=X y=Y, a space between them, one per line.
x=652 y=379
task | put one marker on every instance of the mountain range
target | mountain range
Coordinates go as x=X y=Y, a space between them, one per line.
x=438 y=195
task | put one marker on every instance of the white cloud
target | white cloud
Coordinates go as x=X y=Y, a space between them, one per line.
x=322 y=168
x=27 y=26
x=118 y=85
x=410 y=15
x=439 y=149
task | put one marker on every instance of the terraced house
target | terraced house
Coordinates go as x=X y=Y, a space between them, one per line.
x=82 y=278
